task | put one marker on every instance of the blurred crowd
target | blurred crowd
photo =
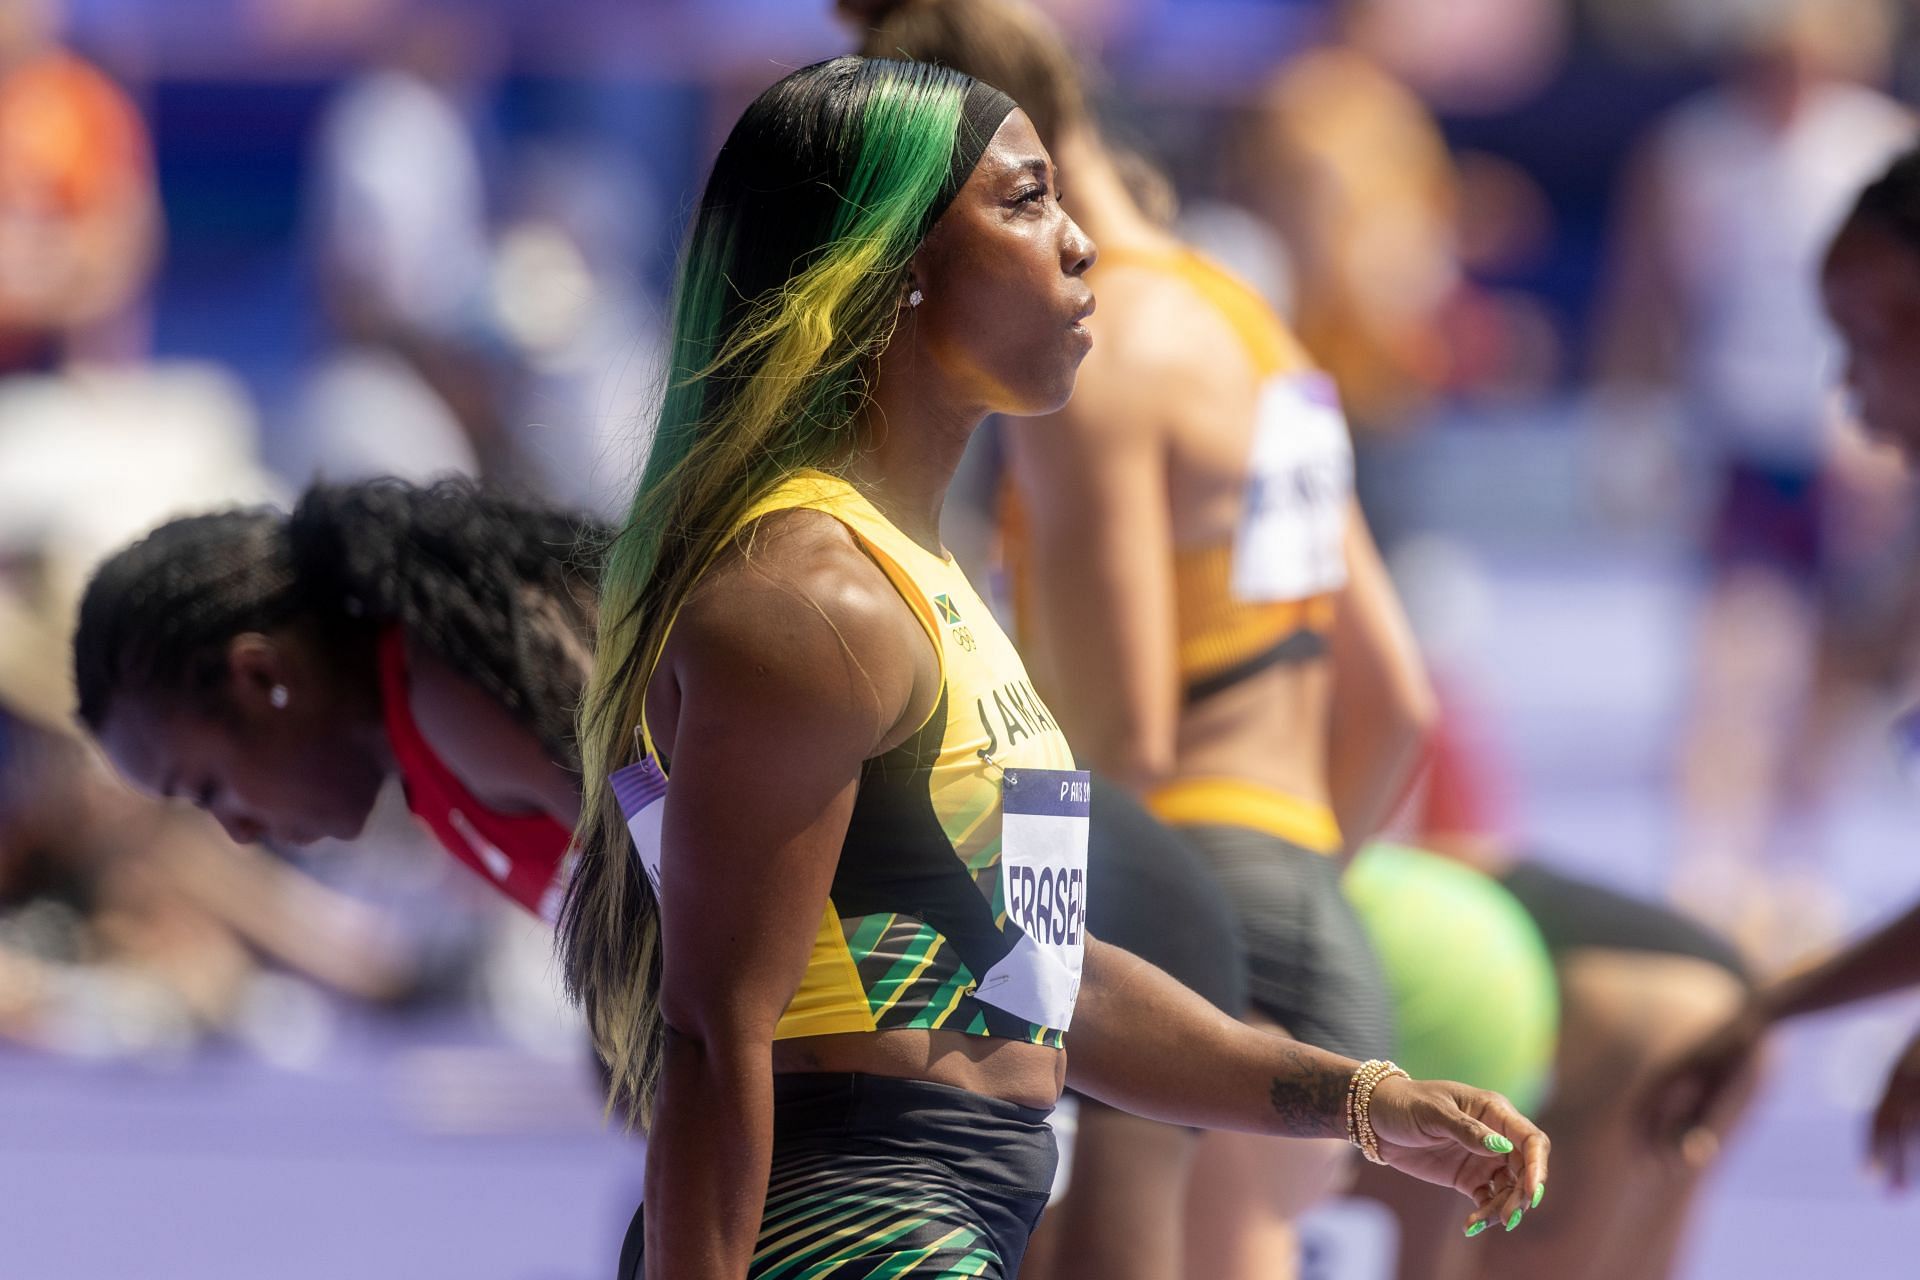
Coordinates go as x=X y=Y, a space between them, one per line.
x=245 y=244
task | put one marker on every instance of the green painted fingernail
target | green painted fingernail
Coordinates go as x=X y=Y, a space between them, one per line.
x=1476 y=1229
x=1539 y=1194
x=1498 y=1145
x=1514 y=1221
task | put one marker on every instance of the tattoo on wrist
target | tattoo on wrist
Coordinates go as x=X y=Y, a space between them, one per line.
x=1307 y=1097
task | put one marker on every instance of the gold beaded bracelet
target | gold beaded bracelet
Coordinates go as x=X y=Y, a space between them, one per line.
x=1360 y=1105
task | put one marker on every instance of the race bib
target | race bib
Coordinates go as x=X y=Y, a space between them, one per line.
x=1292 y=539
x=1043 y=876
x=641 y=790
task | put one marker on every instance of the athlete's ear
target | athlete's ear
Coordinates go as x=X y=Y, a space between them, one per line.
x=258 y=675
x=937 y=256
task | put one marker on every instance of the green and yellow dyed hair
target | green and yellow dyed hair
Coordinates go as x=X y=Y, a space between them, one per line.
x=790 y=287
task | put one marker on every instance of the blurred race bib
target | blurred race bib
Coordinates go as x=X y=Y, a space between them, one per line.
x=1292 y=538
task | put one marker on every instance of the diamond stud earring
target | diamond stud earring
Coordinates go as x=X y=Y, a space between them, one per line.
x=278 y=697
x=915 y=298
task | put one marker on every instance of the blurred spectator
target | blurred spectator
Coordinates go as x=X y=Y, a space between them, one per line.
x=567 y=295
x=399 y=199
x=79 y=220
x=1351 y=167
x=1344 y=157
x=1383 y=226
x=1466 y=55
x=399 y=213
x=1713 y=298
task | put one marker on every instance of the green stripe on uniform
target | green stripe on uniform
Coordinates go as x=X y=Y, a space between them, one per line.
x=947 y=998
x=907 y=1263
x=913 y=959
x=839 y=1237
x=869 y=932
x=856 y=1250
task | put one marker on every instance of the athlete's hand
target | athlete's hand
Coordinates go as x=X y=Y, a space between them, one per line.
x=1680 y=1105
x=1469 y=1139
x=1895 y=1138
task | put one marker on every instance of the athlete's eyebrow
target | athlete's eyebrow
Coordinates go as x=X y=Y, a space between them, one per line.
x=1036 y=166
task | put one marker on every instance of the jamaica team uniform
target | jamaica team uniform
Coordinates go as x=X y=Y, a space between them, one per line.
x=959 y=904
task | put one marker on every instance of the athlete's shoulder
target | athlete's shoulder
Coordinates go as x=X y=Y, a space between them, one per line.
x=1156 y=321
x=795 y=603
x=787 y=559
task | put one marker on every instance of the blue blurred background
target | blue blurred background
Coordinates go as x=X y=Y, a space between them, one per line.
x=248 y=242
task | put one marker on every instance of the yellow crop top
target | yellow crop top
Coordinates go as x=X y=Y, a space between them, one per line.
x=917 y=912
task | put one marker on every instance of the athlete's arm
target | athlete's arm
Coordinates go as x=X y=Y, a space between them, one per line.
x=1885 y=961
x=785 y=676
x=1383 y=706
x=497 y=757
x=1688 y=1095
x=1147 y=1045
x=1093 y=482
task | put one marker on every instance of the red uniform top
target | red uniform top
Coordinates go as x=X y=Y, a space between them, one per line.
x=523 y=855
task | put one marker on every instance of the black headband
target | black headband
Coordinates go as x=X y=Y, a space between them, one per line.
x=985 y=109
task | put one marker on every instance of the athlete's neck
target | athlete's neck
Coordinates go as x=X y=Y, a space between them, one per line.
x=912 y=433
x=1097 y=196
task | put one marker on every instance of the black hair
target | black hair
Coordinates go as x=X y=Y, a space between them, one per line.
x=1892 y=201
x=476 y=579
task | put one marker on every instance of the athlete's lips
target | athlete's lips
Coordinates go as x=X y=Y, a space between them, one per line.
x=1086 y=310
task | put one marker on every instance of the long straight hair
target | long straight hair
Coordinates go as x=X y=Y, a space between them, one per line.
x=789 y=289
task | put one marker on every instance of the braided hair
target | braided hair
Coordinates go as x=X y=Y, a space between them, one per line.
x=1892 y=201
x=500 y=591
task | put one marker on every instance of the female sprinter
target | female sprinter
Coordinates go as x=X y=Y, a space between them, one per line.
x=827 y=976
x=1871 y=282
x=276 y=670
x=1207 y=612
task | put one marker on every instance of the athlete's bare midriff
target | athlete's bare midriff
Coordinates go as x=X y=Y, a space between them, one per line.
x=1031 y=1075
x=1270 y=729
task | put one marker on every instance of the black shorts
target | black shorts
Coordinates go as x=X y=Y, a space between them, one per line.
x=1150 y=893
x=875 y=1176
x=1573 y=914
x=1310 y=966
